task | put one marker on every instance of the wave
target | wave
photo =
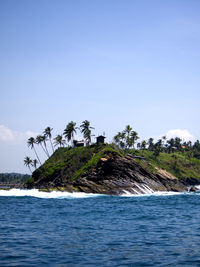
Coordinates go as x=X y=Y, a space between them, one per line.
x=40 y=194
x=158 y=193
x=61 y=195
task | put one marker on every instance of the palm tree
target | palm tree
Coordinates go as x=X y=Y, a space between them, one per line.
x=128 y=130
x=120 y=139
x=39 y=140
x=47 y=133
x=31 y=142
x=34 y=163
x=86 y=130
x=150 y=144
x=138 y=145
x=59 y=141
x=129 y=141
x=28 y=162
x=45 y=144
x=70 y=130
x=170 y=145
x=134 y=137
x=143 y=145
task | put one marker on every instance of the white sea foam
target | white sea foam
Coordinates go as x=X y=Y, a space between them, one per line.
x=40 y=194
x=148 y=188
x=154 y=193
x=142 y=189
x=62 y=195
x=158 y=193
x=127 y=193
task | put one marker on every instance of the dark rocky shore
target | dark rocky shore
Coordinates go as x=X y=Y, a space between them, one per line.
x=114 y=174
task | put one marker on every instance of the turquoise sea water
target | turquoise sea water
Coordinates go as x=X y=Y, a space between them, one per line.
x=42 y=229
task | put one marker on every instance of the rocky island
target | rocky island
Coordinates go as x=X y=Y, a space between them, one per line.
x=105 y=169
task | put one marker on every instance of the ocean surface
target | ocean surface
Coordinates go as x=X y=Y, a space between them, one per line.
x=63 y=229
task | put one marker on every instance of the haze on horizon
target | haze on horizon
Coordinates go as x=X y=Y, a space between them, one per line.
x=111 y=62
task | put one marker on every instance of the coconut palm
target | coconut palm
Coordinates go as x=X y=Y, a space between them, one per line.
x=34 y=163
x=86 y=130
x=39 y=140
x=150 y=144
x=31 y=142
x=59 y=141
x=143 y=145
x=47 y=133
x=70 y=130
x=120 y=139
x=28 y=162
x=117 y=137
x=134 y=137
x=45 y=144
x=127 y=131
x=138 y=145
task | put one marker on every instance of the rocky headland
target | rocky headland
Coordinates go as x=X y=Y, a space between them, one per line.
x=105 y=170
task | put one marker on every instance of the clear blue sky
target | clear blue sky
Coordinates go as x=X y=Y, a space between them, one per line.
x=112 y=62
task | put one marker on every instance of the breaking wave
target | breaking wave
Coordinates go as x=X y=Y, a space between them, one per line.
x=62 y=195
x=40 y=194
x=158 y=193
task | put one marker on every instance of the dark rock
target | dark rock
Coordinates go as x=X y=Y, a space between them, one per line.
x=115 y=175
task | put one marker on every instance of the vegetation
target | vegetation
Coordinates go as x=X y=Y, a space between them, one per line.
x=47 y=133
x=93 y=161
x=58 y=140
x=69 y=132
x=126 y=138
x=86 y=130
x=28 y=162
x=181 y=165
x=174 y=155
x=73 y=162
x=31 y=142
x=13 y=178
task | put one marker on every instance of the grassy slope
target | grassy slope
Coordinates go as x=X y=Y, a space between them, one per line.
x=179 y=164
x=77 y=161
x=71 y=162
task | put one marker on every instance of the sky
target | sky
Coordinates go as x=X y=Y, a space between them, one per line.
x=112 y=62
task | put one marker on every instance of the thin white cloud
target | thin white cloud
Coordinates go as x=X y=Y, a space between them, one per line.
x=31 y=134
x=14 y=137
x=185 y=135
x=6 y=135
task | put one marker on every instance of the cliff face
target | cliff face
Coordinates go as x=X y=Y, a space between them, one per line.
x=116 y=174
x=112 y=173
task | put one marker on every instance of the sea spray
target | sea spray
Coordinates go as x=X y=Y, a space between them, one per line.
x=40 y=194
x=62 y=195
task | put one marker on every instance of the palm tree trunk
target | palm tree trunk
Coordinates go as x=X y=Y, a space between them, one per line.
x=37 y=156
x=51 y=145
x=44 y=150
x=30 y=169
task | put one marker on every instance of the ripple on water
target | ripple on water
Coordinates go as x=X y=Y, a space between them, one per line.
x=100 y=230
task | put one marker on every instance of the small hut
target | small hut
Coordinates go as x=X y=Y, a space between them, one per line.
x=100 y=139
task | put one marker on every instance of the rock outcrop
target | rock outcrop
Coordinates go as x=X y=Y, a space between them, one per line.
x=115 y=174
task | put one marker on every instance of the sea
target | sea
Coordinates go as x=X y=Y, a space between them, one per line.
x=78 y=229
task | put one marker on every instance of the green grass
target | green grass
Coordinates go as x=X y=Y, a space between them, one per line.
x=180 y=164
x=93 y=161
x=73 y=162
x=29 y=181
